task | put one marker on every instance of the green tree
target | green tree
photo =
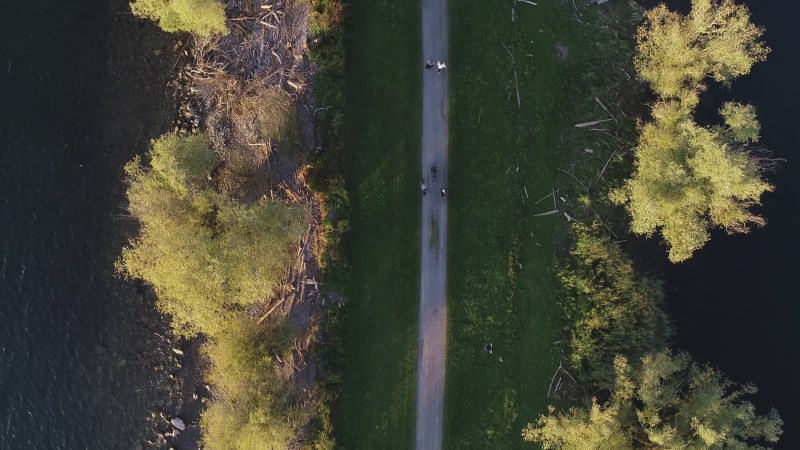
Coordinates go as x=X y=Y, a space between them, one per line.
x=611 y=309
x=676 y=52
x=667 y=402
x=204 y=17
x=689 y=178
x=205 y=255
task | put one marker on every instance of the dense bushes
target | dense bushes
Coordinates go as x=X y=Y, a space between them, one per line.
x=256 y=408
x=610 y=308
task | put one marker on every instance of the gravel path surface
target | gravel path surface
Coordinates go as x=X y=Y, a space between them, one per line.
x=432 y=311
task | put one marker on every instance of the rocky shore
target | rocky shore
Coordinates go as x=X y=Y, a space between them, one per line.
x=157 y=376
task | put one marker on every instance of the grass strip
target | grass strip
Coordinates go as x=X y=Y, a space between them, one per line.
x=376 y=408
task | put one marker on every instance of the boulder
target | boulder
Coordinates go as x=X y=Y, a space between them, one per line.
x=178 y=423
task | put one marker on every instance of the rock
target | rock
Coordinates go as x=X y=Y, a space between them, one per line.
x=178 y=423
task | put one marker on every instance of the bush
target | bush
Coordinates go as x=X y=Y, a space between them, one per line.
x=611 y=309
x=253 y=407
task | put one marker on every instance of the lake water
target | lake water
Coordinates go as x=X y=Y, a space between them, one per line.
x=736 y=303
x=82 y=358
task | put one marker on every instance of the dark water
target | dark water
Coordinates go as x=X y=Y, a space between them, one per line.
x=736 y=303
x=82 y=91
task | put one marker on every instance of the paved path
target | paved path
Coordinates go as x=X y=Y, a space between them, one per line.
x=433 y=267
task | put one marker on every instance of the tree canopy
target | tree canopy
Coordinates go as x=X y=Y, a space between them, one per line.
x=666 y=402
x=690 y=178
x=204 y=17
x=204 y=254
x=676 y=52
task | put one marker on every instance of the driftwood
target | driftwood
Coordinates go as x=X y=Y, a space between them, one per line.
x=591 y=123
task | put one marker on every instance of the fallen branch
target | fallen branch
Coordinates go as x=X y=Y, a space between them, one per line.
x=552 y=192
x=603 y=170
x=606 y=109
x=591 y=123
x=264 y=317
x=546 y=213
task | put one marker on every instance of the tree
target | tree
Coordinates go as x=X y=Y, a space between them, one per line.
x=205 y=255
x=675 y=52
x=611 y=309
x=666 y=402
x=690 y=178
x=204 y=17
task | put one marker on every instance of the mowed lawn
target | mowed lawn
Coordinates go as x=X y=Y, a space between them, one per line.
x=383 y=113
x=509 y=136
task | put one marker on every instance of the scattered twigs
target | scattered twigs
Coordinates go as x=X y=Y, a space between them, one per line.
x=552 y=193
x=604 y=224
x=513 y=60
x=586 y=188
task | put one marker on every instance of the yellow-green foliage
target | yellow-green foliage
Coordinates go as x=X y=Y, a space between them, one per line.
x=253 y=408
x=666 y=402
x=204 y=254
x=689 y=178
x=204 y=17
x=675 y=52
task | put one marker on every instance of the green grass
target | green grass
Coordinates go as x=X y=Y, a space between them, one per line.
x=376 y=407
x=502 y=286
